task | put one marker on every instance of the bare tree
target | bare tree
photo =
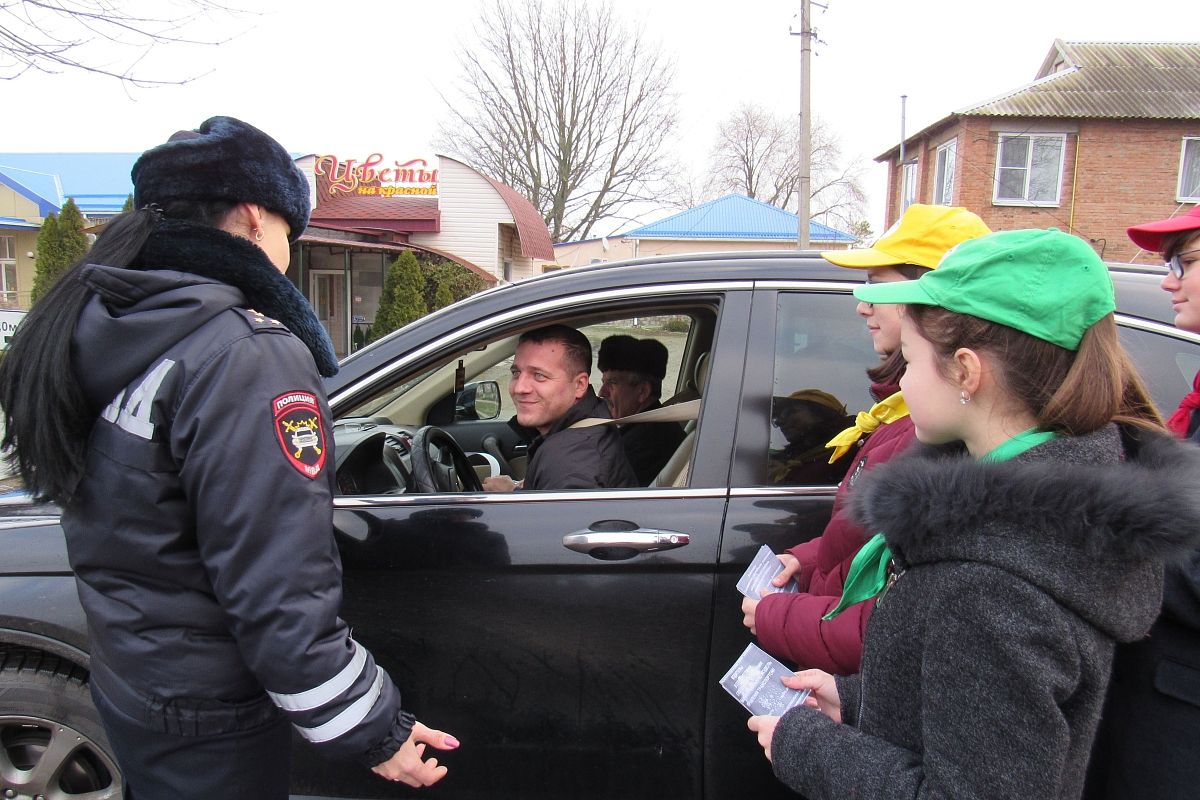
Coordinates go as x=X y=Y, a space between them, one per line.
x=568 y=106
x=757 y=154
x=57 y=35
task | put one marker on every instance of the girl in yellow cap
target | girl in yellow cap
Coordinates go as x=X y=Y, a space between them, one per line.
x=1019 y=542
x=793 y=625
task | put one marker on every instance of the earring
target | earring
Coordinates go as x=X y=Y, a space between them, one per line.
x=258 y=234
x=963 y=397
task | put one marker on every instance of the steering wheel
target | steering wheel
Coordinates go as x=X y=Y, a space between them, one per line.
x=393 y=447
x=449 y=471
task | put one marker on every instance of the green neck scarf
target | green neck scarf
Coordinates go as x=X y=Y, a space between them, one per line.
x=868 y=573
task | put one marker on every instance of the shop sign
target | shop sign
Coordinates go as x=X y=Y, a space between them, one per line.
x=8 y=326
x=376 y=177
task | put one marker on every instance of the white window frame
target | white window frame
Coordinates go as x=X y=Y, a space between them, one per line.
x=8 y=267
x=908 y=184
x=1024 y=199
x=943 y=172
x=1191 y=143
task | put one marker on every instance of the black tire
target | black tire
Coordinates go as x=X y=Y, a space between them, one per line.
x=52 y=744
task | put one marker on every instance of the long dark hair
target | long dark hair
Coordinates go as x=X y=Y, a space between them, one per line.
x=47 y=419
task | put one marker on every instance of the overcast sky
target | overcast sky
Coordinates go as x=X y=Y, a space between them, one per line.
x=359 y=76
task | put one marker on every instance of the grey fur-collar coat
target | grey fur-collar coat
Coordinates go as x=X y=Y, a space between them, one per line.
x=985 y=665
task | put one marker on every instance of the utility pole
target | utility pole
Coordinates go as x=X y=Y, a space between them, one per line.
x=804 y=188
x=903 y=172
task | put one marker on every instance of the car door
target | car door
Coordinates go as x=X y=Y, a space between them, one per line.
x=807 y=340
x=563 y=673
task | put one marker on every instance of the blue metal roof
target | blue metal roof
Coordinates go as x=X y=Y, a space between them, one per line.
x=735 y=216
x=39 y=187
x=9 y=223
x=99 y=182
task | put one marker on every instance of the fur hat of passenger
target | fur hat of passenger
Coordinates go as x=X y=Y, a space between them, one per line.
x=645 y=356
x=224 y=159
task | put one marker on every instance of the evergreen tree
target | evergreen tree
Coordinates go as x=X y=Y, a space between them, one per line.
x=49 y=258
x=459 y=280
x=128 y=204
x=60 y=243
x=72 y=239
x=442 y=296
x=403 y=298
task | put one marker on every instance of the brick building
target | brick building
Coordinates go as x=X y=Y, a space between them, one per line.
x=1107 y=135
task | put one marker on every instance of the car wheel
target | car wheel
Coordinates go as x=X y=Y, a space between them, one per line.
x=52 y=744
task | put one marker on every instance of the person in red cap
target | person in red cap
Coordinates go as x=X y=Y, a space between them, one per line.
x=1178 y=239
x=1145 y=747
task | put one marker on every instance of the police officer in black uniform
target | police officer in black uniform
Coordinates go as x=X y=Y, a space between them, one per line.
x=167 y=393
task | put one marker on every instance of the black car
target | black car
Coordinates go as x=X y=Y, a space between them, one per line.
x=572 y=640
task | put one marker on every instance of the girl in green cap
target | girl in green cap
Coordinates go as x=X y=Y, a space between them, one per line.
x=1019 y=542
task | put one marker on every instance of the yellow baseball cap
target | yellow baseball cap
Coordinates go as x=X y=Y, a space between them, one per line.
x=1045 y=283
x=820 y=398
x=920 y=237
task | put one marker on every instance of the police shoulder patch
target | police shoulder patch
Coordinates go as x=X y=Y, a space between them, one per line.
x=299 y=431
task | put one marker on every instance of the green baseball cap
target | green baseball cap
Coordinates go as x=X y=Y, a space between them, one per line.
x=1046 y=283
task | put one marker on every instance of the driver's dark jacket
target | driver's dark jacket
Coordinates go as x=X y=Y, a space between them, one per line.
x=202 y=540
x=579 y=458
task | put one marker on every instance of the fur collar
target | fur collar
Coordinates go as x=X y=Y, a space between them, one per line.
x=1089 y=520
x=1125 y=494
x=214 y=254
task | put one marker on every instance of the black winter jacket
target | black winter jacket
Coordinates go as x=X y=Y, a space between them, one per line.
x=202 y=539
x=1146 y=744
x=985 y=665
x=580 y=458
x=650 y=445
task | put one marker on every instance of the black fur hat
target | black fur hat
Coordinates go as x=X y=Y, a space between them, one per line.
x=224 y=159
x=621 y=352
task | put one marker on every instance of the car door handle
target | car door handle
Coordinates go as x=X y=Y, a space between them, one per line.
x=620 y=545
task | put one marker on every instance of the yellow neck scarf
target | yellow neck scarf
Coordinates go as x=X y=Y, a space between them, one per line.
x=886 y=410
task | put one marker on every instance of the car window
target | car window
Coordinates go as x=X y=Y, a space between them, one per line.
x=483 y=424
x=671 y=330
x=1167 y=364
x=821 y=353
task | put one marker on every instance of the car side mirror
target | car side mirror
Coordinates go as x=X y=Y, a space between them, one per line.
x=479 y=400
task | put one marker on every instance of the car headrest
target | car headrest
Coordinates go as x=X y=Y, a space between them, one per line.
x=701 y=374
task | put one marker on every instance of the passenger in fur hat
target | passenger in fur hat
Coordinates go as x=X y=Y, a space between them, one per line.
x=632 y=371
x=167 y=393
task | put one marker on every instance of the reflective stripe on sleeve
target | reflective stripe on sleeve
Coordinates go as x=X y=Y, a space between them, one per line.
x=320 y=695
x=348 y=719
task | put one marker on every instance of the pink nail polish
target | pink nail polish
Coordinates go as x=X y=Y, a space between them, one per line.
x=450 y=741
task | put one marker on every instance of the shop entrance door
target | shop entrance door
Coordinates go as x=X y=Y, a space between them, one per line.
x=327 y=290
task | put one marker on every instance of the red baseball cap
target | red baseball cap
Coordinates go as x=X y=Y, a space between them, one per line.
x=1150 y=235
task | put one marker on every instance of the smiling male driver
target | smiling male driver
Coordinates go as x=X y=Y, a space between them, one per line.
x=551 y=390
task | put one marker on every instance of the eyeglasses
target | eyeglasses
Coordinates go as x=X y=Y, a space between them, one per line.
x=1175 y=264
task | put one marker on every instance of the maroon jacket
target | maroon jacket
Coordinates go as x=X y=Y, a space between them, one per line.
x=789 y=625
